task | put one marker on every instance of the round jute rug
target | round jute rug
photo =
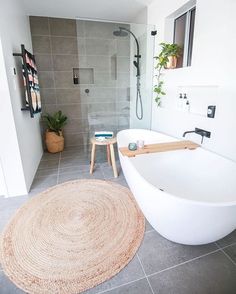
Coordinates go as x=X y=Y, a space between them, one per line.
x=71 y=237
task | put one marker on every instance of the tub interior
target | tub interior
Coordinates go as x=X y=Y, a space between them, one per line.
x=197 y=175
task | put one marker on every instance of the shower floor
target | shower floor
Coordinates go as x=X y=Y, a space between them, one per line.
x=160 y=266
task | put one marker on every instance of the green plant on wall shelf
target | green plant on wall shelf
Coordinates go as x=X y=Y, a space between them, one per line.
x=167 y=58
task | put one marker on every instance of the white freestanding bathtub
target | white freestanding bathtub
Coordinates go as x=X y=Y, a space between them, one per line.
x=188 y=196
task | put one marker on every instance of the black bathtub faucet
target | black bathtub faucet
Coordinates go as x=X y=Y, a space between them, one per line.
x=200 y=132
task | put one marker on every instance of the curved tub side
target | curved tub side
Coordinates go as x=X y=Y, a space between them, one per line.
x=177 y=219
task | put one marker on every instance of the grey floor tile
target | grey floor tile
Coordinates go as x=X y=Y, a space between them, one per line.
x=46 y=172
x=12 y=203
x=148 y=227
x=211 y=274
x=49 y=164
x=75 y=153
x=78 y=157
x=35 y=192
x=228 y=240
x=7 y=287
x=97 y=174
x=131 y=272
x=72 y=169
x=105 y=164
x=108 y=171
x=157 y=253
x=231 y=251
x=120 y=180
x=71 y=161
x=50 y=156
x=138 y=287
x=44 y=182
x=68 y=177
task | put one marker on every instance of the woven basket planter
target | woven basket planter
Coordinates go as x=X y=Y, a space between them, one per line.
x=54 y=142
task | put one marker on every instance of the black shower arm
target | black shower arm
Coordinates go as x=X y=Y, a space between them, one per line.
x=124 y=29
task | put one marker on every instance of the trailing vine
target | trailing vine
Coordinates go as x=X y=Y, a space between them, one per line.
x=162 y=59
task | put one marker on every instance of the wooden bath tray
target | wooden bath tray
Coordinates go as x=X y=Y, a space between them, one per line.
x=160 y=147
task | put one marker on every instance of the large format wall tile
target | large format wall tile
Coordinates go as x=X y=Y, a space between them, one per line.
x=41 y=44
x=123 y=64
x=60 y=45
x=123 y=48
x=103 y=79
x=99 y=47
x=46 y=79
x=80 y=27
x=64 y=45
x=77 y=125
x=64 y=79
x=44 y=62
x=65 y=62
x=65 y=96
x=62 y=27
x=99 y=63
x=39 y=25
x=48 y=96
x=76 y=139
x=73 y=111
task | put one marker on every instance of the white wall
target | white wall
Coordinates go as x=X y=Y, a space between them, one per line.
x=3 y=188
x=210 y=79
x=21 y=147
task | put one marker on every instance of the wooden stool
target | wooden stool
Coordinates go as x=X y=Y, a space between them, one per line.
x=110 y=153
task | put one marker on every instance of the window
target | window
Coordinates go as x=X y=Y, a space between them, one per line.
x=183 y=36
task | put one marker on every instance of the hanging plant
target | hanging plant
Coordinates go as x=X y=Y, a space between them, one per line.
x=167 y=58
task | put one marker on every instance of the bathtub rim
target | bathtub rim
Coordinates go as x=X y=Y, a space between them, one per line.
x=190 y=201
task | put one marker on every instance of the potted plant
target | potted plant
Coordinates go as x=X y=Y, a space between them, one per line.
x=54 y=138
x=167 y=59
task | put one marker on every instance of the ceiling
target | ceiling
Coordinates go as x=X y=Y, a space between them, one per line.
x=110 y=10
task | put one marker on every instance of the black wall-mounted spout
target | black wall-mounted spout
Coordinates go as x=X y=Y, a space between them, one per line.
x=200 y=132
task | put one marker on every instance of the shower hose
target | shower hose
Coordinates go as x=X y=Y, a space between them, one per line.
x=139 y=100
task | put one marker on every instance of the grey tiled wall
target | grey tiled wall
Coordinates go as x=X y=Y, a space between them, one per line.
x=59 y=46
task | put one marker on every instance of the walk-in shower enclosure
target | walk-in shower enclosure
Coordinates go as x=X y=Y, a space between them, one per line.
x=88 y=73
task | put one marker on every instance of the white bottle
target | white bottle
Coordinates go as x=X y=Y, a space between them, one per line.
x=180 y=102
x=187 y=106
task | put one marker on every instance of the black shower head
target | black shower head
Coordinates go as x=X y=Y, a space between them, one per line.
x=120 y=33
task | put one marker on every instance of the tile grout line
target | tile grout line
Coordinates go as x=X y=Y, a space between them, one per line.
x=182 y=263
x=226 y=246
x=145 y=274
x=222 y=250
x=116 y=287
x=58 y=169
x=149 y=231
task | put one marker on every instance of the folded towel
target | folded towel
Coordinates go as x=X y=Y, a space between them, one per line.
x=104 y=134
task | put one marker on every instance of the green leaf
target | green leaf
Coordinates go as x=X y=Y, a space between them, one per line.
x=56 y=121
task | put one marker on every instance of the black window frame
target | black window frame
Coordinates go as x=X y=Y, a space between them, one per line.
x=189 y=35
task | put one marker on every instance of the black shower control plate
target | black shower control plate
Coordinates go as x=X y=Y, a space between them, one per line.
x=211 y=109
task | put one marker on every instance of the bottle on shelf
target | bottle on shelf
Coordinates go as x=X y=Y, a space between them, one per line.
x=180 y=102
x=187 y=106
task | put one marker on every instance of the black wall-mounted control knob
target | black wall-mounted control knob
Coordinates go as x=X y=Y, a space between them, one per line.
x=211 y=109
x=86 y=91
